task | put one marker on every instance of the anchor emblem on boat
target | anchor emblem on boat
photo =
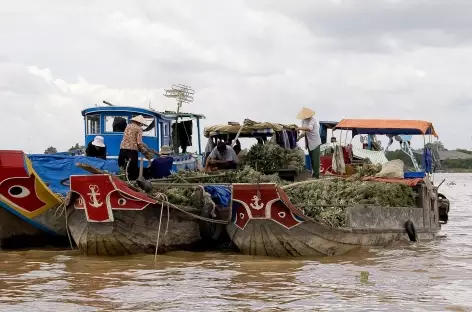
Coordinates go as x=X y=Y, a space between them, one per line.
x=94 y=192
x=256 y=205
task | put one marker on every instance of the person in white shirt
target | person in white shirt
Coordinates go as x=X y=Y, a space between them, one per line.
x=311 y=132
x=222 y=157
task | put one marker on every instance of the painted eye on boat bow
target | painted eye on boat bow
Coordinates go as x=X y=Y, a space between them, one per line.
x=18 y=191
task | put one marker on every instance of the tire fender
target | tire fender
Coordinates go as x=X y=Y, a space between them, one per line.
x=210 y=231
x=411 y=231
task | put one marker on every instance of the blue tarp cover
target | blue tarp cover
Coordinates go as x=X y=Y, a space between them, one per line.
x=220 y=194
x=54 y=168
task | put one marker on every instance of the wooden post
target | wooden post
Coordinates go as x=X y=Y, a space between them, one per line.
x=426 y=205
x=199 y=137
x=141 y=166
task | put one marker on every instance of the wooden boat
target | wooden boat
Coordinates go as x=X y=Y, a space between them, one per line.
x=28 y=208
x=29 y=195
x=108 y=218
x=265 y=223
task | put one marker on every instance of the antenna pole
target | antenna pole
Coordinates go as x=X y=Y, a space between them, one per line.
x=183 y=94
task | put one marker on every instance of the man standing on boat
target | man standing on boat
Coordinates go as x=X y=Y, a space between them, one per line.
x=131 y=145
x=311 y=132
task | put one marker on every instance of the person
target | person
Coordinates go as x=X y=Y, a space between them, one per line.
x=161 y=167
x=221 y=157
x=237 y=147
x=330 y=149
x=311 y=133
x=131 y=145
x=97 y=148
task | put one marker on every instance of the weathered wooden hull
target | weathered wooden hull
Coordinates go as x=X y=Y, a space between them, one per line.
x=108 y=218
x=264 y=223
x=28 y=208
x=134 y=232
x=267 y=238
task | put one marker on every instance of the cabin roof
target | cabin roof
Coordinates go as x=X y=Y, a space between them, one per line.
x=138 y=110
x=387 y=126
x=329 y=124
x=248 y=129
x=173 y=115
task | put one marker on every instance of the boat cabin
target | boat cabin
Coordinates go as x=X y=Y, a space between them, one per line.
x=263 y=132
x=400 y=130
x=164 y=128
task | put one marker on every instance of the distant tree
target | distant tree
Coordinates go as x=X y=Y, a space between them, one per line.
x=457 y=163
x=50 y=150
x=437 y=146
x=464 y=151
x=76 y=147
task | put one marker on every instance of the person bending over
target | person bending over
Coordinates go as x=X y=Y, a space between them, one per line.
x=221 y=157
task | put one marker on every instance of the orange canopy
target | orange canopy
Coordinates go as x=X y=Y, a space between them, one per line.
x=387 y=126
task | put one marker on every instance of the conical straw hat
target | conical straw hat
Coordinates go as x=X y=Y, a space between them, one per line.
x=305 y=113
x=139 y=119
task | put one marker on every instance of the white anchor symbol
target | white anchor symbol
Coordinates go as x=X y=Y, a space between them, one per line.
x=94 y=192
x=256 y=205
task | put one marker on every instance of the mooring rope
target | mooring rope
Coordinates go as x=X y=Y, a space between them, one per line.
x=62 y=208
x=164 y=201
x=126 y=170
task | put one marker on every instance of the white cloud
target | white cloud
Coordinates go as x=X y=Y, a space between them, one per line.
x=246 y=59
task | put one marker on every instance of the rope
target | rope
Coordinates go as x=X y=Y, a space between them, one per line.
x=186 y=212
x=63 y=207
x=207 y=200
x=164 y=201
x=126 y=170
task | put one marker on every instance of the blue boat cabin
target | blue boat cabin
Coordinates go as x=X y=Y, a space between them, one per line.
x=111 y=121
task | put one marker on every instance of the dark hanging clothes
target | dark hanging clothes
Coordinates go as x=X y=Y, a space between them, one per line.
x=292 y=138
x=182 y=133
x=97 y=152
x=281 y=138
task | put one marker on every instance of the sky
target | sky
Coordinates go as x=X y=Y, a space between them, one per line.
x=257 y=59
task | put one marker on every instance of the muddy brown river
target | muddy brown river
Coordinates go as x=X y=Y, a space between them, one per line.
x=422 y=276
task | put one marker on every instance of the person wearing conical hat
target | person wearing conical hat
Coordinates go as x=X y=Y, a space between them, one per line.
x=311 y=133
x=131 y=145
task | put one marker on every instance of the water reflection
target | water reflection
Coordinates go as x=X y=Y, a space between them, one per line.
x=422 y=276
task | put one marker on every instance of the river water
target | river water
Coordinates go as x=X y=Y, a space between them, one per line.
x=422 y=276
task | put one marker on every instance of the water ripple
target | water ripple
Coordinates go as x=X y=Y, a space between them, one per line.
x=422 y=276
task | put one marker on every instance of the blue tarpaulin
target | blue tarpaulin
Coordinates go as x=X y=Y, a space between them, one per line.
x=55 y=168
x=220 y=194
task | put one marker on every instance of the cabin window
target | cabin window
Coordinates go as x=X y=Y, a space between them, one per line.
x=149 y=130
x=115 y=123
x=93 y=124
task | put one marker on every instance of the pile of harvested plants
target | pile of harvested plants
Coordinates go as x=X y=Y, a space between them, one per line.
x=326 y=200
x=270 y=157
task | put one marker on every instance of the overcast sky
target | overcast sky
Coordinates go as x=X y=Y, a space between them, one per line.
x=256 y=59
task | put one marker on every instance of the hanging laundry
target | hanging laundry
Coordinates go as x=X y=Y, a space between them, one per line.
x=182 y=134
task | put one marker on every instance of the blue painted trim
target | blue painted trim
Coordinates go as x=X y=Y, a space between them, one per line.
x=128 y=109
x=37 y=225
